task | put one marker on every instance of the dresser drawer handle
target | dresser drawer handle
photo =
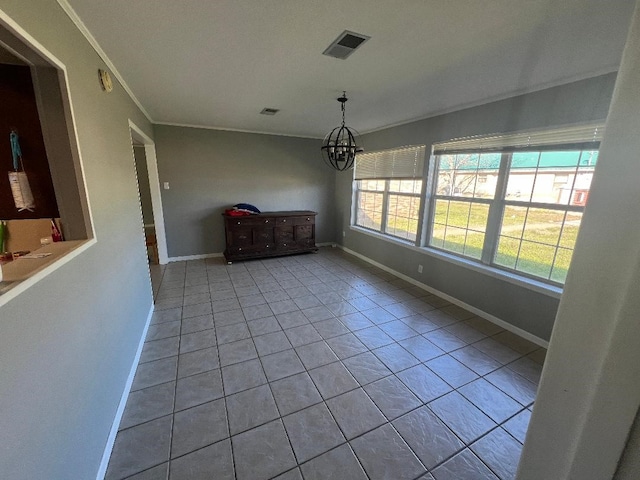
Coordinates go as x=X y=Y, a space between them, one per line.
x=266 y=221
x=308 y=219
x=240 y=249
x=285 y=244
x=284 y=221
x=238 y=223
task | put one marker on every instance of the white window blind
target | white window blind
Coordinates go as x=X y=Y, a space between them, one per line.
x=574 y=137
x=404 y=162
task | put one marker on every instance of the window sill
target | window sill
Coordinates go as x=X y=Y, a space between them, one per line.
x=513 y=278
x=22 y=273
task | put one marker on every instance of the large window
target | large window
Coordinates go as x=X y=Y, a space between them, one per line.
x=388 y=190
x=511 y=201
x=514 y=201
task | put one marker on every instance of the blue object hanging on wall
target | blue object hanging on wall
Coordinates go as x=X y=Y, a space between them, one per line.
x=20 y=188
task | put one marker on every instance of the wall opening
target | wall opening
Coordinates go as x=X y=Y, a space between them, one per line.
x=36 y=107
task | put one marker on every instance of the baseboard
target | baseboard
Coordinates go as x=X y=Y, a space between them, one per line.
x=186 y=258
x=487 y=316
x=123 y=402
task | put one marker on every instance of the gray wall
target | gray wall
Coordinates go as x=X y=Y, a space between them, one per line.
x=533 y=312
x=143 y=184
x=629 y=465
x=211 y=170
x=67 y=343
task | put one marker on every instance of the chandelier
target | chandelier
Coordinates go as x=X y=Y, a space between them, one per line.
x=339 y=147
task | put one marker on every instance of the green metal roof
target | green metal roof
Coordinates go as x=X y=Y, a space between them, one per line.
x=529 y=160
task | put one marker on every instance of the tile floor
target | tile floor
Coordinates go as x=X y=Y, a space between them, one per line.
x=316 y=367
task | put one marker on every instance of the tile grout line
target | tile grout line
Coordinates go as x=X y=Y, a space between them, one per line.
x=398 y=300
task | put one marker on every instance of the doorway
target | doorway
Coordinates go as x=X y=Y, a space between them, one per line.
x=146 y=169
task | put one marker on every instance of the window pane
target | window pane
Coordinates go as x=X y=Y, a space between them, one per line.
x=454 y=239
x=473 y=244
x=405 y=186
x=535 y=259
x=570 y=230
x=441 y=212
x=375 y=185
x=538 y=241
x=588 y=158
x=478 y=214
x=561 y=265
x=458 y=214
x=369 y=212
x=562 y=177
x=581 y=187
x=459 y=227
x=522 y=175
x=402 y=216
x=543 y=226
x=507 y=253
x=468 y=175
x=513 y=220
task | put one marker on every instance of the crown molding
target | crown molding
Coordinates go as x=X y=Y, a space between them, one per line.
x=71 y=13
x=239 y=130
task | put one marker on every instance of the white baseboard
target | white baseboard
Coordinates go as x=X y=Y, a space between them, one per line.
x=123 y=402
x=487 y=316
x=186 y=258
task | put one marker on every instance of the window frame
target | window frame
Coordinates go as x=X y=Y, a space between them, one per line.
x=576 y=137
x=386 y=193
x=497 y=206
x=406 y=163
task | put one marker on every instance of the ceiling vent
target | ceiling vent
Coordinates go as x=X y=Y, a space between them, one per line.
x=269 y=111
x=346 y=43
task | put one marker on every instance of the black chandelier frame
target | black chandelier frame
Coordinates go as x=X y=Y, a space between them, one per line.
x=340 y=146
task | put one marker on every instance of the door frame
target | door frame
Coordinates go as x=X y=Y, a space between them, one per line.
x=139 y=137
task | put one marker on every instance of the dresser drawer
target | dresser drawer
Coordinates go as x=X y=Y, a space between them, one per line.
x=306 y=220
x=262 y=235
x=240 y=237
x=284 y=234
x=302 y=232
x=251 y=221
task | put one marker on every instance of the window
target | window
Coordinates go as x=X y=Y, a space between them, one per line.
x=462 y=201
x=514 y=201
x=388 y=191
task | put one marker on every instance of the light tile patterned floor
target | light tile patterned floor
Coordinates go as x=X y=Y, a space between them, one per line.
x=320 y=366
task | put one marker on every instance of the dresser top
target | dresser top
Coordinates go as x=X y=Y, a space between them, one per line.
x=287 y=213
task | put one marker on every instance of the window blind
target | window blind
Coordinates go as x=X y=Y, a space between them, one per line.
x=404 y=162
x=574 y=137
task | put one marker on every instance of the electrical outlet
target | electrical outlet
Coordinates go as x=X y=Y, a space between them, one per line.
x=419 y=268
x=166 y=185
x=344 y=234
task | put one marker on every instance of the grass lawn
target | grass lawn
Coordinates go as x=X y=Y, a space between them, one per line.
x=532 y=240
x=531 y=250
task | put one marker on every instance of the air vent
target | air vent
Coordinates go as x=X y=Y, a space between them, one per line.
x=346 y=43
x=269 y=111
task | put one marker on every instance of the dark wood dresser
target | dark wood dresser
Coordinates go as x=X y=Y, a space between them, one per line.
x=269 y=234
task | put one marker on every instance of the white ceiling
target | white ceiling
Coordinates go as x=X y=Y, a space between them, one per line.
x=217 y=63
